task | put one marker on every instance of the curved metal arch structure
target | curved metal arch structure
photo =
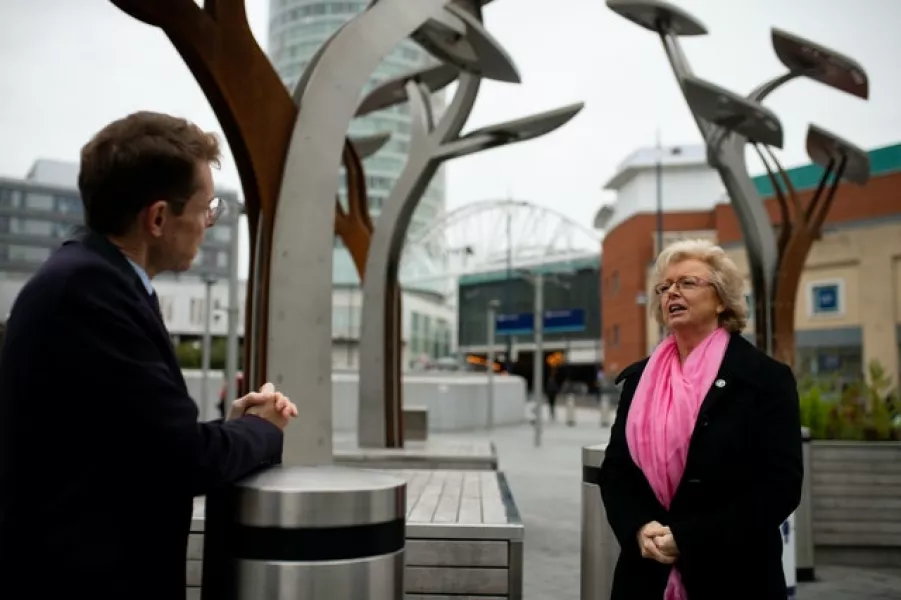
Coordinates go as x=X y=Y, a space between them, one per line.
x=491 y=234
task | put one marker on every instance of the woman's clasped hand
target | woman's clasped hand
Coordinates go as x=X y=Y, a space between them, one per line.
x=656 y=542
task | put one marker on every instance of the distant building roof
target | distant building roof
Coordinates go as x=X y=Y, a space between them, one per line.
x=54 y=172
x=689 y=155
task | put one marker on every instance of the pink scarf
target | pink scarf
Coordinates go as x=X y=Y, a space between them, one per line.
x=663 y=414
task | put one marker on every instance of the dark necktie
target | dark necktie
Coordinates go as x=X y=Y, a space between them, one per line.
x=155 y=301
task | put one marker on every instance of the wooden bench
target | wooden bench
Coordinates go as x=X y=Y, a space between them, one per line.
x=416 y=423
x=464 y=538
x=434 y=454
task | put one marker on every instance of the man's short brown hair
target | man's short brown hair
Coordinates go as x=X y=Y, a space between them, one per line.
x=138 y=160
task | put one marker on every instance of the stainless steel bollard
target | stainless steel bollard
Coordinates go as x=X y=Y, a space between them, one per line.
x=571 y=410
x=804 y=519
x=600 y=549
x=306 y=533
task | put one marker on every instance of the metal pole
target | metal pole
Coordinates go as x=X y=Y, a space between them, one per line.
x=508 y=309
x=350 y=326
x=538 y=363
x=490 y=326
x=659 y=176
x=234 y=311
x=207 y=331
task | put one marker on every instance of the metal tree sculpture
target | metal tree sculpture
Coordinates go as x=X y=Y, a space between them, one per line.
x=301 y=282
x=380 y=414
x=727 y=123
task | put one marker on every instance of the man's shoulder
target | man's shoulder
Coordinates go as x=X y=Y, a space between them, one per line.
x=72 y=268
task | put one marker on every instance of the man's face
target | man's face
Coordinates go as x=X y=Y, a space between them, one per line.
x=183 y=234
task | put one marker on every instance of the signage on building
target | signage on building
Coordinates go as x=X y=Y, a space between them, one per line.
x=567 y=320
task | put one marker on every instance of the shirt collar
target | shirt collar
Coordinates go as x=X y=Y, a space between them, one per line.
x=145 y=279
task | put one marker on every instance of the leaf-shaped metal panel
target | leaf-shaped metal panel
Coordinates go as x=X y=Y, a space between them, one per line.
x=821 y=64
x=367 y=145
x=824 y=147
x=732 y=111
x=533 y=126
x=475 y=52
x=658 y=16
x=393 y=91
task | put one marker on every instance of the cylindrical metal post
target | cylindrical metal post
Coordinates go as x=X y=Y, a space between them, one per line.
x=538 y=363
x=600 y=550
x=490 y=331
x=205 y=358
x=306 y=533
x=804 y=519
x=234 y=312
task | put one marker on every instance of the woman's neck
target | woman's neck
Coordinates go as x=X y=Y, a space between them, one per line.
x=687 y=341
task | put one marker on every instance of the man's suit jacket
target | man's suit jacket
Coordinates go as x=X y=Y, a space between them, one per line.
x=100 y=449
x=742 y=480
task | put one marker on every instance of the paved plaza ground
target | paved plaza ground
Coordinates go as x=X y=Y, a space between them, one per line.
x=546 y=484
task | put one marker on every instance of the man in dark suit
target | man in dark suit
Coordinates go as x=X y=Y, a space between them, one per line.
x=101 y=452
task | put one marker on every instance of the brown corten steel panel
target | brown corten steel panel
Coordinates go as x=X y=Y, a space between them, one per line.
x=257 y=114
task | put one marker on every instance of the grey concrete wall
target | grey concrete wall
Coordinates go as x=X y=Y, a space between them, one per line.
x=455 y=401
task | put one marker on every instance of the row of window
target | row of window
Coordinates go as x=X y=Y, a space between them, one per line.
x=318 y=9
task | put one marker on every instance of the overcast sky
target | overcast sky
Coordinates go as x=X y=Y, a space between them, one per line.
x=67 y=67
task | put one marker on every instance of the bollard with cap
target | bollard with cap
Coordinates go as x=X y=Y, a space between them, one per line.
x=600 y=549
x=305 y=533
x=804 y=519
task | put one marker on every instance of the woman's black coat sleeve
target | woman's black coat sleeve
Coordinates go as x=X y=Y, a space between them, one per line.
x=628 y=498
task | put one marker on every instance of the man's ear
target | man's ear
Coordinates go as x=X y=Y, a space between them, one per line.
x=154 y=217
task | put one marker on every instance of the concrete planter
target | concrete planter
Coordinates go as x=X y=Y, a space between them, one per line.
x=856 y=497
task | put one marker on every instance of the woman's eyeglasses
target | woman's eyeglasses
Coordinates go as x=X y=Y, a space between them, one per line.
x=682 y=284
x=217 y=209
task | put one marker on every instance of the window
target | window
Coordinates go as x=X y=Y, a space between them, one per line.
x=826 y=298
x=197 y=311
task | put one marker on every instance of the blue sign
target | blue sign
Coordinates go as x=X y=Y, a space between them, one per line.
x=564 y=321
x=555 y=321
x=516 y=324
x=825 y=299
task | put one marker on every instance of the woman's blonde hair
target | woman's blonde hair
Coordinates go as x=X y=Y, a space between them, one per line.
x=724 y=276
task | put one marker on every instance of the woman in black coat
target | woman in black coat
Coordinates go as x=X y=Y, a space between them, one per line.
x=704 y=460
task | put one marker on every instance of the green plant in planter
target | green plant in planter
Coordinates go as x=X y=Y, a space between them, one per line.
x=814 y=411
x=854 y=411
x=882 y=405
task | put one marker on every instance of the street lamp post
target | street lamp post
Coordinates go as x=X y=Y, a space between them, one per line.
x=234 y=312
x=491 y=327
x=538 y=358
x=209 y=281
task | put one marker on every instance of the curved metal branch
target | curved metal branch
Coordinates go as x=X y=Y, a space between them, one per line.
x=784 y=215
x=379 y=411
x=787 y=182
x=759 y=94
x=682 y=68
x=354 y=227
x=422 y=122
x=299 y=348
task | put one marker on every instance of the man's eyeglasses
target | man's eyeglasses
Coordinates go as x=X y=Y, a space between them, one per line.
x=682 y=284
x=217 y=208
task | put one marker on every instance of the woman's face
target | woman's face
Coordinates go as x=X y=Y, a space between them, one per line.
x=688 y=299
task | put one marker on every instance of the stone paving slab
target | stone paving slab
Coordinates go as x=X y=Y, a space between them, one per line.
x=546 y=484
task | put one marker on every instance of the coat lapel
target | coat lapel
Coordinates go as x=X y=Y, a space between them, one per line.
x=738 y=362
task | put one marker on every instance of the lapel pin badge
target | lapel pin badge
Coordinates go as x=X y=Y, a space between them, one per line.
x=720 y=383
